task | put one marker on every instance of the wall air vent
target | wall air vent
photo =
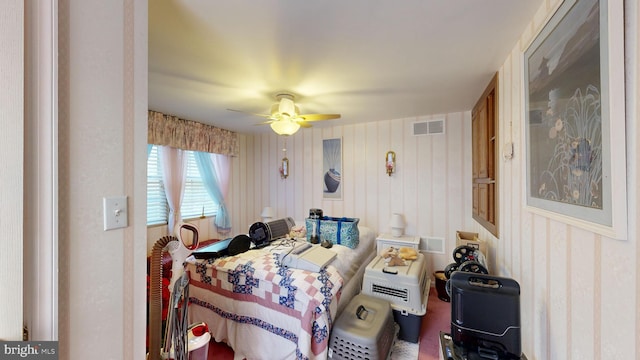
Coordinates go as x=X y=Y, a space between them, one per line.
x=432 y=245
x=429 y=127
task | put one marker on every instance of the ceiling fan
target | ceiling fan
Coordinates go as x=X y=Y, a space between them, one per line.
x=285 y=118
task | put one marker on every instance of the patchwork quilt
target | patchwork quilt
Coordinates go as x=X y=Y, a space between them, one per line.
x=263 y=310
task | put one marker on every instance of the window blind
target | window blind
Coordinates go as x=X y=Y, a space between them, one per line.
x=157 y=207
x=196 y=199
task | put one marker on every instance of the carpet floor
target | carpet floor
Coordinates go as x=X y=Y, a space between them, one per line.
x=437 y=318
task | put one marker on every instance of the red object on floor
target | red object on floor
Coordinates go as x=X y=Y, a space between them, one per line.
x=219 y=351
x=437 y=318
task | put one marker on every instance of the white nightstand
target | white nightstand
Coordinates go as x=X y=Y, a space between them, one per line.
x=387 y=240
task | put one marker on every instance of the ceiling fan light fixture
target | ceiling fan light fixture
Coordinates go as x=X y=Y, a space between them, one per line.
x=287 y=107
x=285 y=127
x=274 y=110
x=285 y=118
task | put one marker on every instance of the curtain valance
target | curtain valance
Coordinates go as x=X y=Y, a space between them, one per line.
x=190 y=135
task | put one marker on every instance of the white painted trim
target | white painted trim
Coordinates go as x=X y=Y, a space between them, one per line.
x=12 y=175
x=41 y=179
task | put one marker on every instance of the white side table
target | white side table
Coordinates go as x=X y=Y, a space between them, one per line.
x=387 y=240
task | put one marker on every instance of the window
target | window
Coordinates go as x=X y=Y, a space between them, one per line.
x=195 y=200
x=484 y=120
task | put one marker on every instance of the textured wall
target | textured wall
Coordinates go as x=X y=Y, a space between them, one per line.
x=102 y=137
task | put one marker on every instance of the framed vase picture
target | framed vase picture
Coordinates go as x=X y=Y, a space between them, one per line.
x=574 y=133
x=332 y=169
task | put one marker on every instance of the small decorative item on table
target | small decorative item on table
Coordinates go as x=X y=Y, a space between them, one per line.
x=399 y=256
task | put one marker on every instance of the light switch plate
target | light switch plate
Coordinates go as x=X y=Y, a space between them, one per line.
x=507 y=151
x=115 y=212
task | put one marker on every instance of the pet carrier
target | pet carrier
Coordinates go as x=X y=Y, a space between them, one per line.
x=364 y=330
x=405 y=287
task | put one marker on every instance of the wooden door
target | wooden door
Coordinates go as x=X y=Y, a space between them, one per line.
x=484 y=144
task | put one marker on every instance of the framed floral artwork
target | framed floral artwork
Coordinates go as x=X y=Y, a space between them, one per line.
x=574 y=109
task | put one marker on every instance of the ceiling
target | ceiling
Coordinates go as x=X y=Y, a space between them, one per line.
x=368 y=60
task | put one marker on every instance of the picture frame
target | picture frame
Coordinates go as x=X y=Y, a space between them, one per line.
x=574 y=110
x=332 y=169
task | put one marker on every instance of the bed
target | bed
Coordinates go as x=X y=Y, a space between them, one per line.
x=264 y=311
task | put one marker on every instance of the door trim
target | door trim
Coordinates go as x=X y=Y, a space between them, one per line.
x=41 y=171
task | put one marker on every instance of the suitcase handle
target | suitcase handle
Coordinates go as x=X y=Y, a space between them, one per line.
x=485 y=283
x=362 y=310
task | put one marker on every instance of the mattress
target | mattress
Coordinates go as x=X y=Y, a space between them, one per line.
x=264 y=311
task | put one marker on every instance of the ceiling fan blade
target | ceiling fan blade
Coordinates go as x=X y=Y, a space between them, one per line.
x=303 y=123
x=319 y=117
x=264 y=123
x=250 y=113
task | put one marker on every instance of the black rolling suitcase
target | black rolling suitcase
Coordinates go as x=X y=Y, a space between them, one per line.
x=485 y=314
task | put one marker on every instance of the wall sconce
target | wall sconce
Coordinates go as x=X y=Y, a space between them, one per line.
x=284 y=163
x=284 y=168
x=390 y=162
x=397 y=225
x=267 y=214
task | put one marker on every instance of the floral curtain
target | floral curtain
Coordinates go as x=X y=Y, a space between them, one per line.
x=190 y=135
